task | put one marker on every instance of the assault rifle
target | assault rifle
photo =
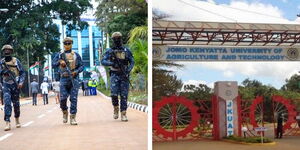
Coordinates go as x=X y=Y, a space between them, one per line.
x=121 y=68
x=68 y=69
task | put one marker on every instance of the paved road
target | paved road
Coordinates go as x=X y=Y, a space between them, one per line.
x=42 y=128
x=287 y=143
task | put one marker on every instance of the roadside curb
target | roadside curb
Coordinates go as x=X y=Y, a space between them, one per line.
x=132 y=105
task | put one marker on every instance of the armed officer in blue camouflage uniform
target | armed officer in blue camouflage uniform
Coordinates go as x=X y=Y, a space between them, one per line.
x=121 y=62
x=70 y=65
x=13 y=76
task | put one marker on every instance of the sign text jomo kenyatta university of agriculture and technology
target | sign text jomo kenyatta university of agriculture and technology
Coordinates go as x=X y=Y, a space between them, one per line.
x=210 y=53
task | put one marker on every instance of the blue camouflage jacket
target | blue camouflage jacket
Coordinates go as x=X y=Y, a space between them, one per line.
x=78 y=64
x=127 y=61
x=19 y=79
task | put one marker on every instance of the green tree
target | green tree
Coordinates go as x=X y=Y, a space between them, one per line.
x=139 y=49
x=251 y=83
x=121 y=15
x=108 y=9
x=140 y=32
x=164 y=82
x=124 y=23
x=200 y=92
x=139 y=46
x=28 y=25
x=292 y=84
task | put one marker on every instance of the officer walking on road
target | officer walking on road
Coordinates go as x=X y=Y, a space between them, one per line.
x=121 y=62
x=70 y=65
x=13 y=76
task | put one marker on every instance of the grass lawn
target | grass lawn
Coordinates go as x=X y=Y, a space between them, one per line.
x=133 y=96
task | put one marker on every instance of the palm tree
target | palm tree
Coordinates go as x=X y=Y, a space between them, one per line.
x=140 y=32
x=139 y=46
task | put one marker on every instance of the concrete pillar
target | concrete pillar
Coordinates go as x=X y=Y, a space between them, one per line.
x=227 y=93
x=79 y=43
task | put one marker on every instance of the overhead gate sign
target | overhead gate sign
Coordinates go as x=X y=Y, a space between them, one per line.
x=224 y=53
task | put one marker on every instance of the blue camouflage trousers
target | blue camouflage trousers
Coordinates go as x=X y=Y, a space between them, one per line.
x=119 y=86
x=66 y=90
x=11 y=95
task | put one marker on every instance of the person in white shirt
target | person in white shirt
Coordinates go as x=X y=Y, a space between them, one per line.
x=56 y=90
x=44 y=88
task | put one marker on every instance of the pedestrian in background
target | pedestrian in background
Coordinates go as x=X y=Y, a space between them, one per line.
x=90 y=85
x=82 y=88
x=279 y=126
x=94 y=87
x=45 y=88
x=1 y=92
x=56 y=90
x=86 y=87
x=34 y=90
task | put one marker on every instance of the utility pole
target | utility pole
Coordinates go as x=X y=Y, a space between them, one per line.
x=38 y=76
x=29 y=89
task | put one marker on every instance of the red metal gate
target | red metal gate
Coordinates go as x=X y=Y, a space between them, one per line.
x=285 y=106
x=251 y=113
x=178 y=118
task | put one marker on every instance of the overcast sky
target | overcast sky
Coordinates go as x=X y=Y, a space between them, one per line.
x=251 y=11
x=259 y=11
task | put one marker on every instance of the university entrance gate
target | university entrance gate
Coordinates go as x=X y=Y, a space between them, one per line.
x=178 y=118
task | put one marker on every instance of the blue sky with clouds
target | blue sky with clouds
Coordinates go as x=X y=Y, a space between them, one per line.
x=269 y=73
x=290 y=8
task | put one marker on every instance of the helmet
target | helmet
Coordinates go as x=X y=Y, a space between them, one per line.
x=68 y=39
x=7 y=46
x=116 y=34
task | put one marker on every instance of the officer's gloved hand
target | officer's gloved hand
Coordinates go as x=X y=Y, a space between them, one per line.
x=62 y=63
x=74 y=74
x=20 y=85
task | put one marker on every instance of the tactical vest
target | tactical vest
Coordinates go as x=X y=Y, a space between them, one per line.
x=121 y=56
x=12 y=66
x=71 y=59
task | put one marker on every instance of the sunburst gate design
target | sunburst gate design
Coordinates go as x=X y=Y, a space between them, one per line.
x=284 y=106
x=256 y=112
x=175 y=117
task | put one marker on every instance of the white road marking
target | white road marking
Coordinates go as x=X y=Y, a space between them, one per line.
x=41 y=116
x=28 y=123
x=5 y=136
